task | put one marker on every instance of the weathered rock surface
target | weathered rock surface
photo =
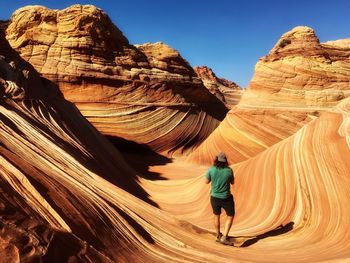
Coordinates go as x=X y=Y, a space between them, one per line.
x=226 y=91
x=298 y=80
x=146 y=93
x=67 y=195
x=292 y=200
x=161 y=56
x=301 y=72
x=45 y=143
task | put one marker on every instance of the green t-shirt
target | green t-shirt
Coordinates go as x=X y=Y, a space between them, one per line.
x=220 y=179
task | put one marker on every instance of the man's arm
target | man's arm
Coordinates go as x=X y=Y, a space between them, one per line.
x=233 y=178
x=207 y=177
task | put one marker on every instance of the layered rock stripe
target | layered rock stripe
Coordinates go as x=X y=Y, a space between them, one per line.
x=298 y=80
x=292 y=200
x=68 y=194
x=145 y=93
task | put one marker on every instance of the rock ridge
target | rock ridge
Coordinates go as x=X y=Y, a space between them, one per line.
x=225 y=90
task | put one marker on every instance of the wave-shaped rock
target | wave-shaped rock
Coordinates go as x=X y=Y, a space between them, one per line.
x=226 y=91
x=66 y=192
x=298 y=80
x=145 y=93
x=291 y=199
x=68 y=195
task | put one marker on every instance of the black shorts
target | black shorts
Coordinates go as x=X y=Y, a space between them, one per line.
x=227 y=204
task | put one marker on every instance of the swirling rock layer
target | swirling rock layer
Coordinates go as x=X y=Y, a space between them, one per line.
x=66 y=194
x=292 y=200
x=147 y=93
x=293 y=84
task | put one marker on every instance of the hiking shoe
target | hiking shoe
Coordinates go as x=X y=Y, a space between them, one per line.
x=225 y=241
x=218 y=237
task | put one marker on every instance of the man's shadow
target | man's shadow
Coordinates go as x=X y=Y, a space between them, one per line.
x=282 y=229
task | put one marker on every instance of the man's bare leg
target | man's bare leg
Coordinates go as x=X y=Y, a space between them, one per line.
x=228 y=225
x=217 y=224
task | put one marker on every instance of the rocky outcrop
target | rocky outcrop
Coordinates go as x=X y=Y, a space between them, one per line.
x=300 y=72
x=298 y=80
x=161 y=56
x=226 y=91
x=340 y=44
x=146 y=93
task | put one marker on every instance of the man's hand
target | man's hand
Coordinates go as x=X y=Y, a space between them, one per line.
x=206 y=181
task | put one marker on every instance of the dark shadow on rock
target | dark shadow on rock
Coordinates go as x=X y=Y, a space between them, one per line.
x=66 y=247
x=138 y=228
x=140 y=157
x=282 y=229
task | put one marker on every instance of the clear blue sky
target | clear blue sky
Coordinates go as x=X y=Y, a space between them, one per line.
x=227 y=35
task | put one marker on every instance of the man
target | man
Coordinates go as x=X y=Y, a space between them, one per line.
x=220 y=175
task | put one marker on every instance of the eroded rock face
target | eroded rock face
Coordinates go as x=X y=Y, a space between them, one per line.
x=284 y=197
x=66 y=194
x=163 y=57
x=146 y=93
x=298 y=80
x=226 y=91
x=16 y=75
x=301 y=72
x=43 y=141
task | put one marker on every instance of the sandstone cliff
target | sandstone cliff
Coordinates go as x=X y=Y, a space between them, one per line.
x=226 y=91
x=147 y=94
x=298 y=80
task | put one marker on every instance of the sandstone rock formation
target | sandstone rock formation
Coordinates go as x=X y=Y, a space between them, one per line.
x=298 y=80
x=147 y=93
x=161 y=56
x=292 y=200
x=68 y=195
x=45 y=143
x=226 y=91
x=301 y=72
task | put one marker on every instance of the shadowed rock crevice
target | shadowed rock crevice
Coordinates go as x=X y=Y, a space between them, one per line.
x=140 y=157
x=138 y=228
